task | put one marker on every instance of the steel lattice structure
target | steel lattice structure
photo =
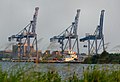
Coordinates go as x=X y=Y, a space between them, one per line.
x=26 y=37
x=97 y=39
x=69 y=36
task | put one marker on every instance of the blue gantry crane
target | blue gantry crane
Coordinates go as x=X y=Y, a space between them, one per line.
x=68 y=36
x=98 y=35
x=26 y=37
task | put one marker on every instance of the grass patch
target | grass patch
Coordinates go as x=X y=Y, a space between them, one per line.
x=18 y=73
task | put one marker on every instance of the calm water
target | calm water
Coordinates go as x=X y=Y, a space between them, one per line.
x=64 y=69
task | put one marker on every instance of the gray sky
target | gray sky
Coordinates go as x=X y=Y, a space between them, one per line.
x=57 y=15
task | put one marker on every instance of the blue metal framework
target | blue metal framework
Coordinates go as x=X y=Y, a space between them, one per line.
x=26 y=36
x=69 y=35
x=97 y=36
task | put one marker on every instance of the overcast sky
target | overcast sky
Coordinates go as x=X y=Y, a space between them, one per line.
x=56 y=15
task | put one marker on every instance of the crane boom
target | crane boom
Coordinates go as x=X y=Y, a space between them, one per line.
x=101 y=23
x=76 y=21
x=34 y=19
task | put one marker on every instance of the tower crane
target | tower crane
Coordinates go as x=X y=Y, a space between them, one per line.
x=97 y=36
x=69 y=35
x=26 y=37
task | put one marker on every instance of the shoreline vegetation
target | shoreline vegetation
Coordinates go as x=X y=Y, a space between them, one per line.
x=96 y=73
x=103 y=58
